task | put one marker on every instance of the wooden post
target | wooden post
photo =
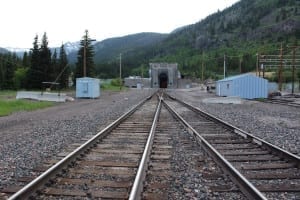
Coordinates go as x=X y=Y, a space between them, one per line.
x=257 y=56
x=293 y=70
x=280 y=69
x=202 y=70
x=120 y=71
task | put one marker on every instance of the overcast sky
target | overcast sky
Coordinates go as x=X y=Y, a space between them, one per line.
x=65 y=20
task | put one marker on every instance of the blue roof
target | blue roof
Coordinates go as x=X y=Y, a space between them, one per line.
x=237 y=77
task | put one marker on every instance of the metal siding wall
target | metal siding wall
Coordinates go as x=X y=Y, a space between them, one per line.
x=228 y=91
x=252 y=87
x=247 y=86
x=235 y=84
x=222 y=88
x=265 y=88
x=245 y=82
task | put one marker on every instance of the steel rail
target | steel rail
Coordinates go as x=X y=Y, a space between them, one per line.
x=280 y=152
x=246 y=187
x=282 y=102
x=35 y=184
x=137 y=187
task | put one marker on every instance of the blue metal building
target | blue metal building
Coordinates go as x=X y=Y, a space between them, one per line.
x=87 y=87
x=247 y=86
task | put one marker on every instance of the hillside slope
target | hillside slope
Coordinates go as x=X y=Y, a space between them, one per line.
x=240 y=31
x=110 y=49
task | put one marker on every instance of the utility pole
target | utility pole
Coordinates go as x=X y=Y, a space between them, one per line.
x=224 y=65
x=202 y=70
x=280 y=69
x=142 y=77
x=120 y=71
x=257 y=63
x=240 y=66
x=293 y=68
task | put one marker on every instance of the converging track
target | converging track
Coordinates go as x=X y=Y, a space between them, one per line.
x=259 y=168
x=166 y=149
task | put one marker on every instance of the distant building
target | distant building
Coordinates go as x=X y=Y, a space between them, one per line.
x=136 y=82
x=164 y=75
x=246 y=86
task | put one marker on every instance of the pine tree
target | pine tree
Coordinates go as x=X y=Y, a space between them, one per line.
x=26 y=60
x=45 y=60
x=63 y=68
x=6 y=71
x=35 y=74
x=88 y=50
x=54 y=65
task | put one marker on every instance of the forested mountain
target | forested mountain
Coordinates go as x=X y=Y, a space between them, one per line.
x=236 y=35
x=110 y=49
x=3 y=50
x=107 y=53
x=238 y=32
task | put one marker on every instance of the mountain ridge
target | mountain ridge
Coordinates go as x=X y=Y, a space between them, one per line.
x=241 y=30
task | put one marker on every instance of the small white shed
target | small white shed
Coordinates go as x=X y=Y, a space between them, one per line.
x=87 y=87
x=247 y=86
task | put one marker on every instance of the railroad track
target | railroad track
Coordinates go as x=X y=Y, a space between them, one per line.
x=286 y=102
x=179 y=169
x=134 y=158
x=259 y=168
x=103 y=167
x=149 y=154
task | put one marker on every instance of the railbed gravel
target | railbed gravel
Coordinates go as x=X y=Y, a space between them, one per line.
x=277 y=124
x=27 y=139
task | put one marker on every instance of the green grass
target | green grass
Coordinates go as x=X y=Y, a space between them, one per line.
x=9 y=104
x=110 y=87
x=7 y=94
x=8 y=107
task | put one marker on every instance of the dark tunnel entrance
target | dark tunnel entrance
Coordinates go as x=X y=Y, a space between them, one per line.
x=163 y=80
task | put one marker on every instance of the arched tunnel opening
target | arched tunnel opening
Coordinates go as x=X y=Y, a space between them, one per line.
x=163 y=80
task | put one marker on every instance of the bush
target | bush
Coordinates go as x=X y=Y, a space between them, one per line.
x=20 y=78
x=116 y=82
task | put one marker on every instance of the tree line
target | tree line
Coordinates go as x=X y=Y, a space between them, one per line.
x=41 y=66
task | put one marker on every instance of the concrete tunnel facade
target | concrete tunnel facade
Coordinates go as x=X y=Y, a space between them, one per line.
x=164 y=75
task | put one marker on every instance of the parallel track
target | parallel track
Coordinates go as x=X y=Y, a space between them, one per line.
x=271 y=171
x=124 y=161
x=180 y=169
x=117 y=165
x=103 y=167
x=286 y=102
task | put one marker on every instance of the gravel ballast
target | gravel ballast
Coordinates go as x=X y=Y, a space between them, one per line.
x=27 y=139
x=277 y=124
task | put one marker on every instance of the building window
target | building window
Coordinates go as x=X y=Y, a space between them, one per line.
x=227 y=85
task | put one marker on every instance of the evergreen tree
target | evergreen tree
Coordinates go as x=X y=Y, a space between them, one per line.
x=63 y=68
x=45 y=60
x=35 y=73
x=54 y=65
x=1 y=71
x=26 y=60
x=88 y=50
x=8 y=70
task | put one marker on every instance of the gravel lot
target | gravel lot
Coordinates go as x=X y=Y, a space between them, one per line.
x=27 y=139
x=277 y=124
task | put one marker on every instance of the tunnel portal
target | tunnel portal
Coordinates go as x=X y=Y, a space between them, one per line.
x=163 y=80
x=164 y=75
